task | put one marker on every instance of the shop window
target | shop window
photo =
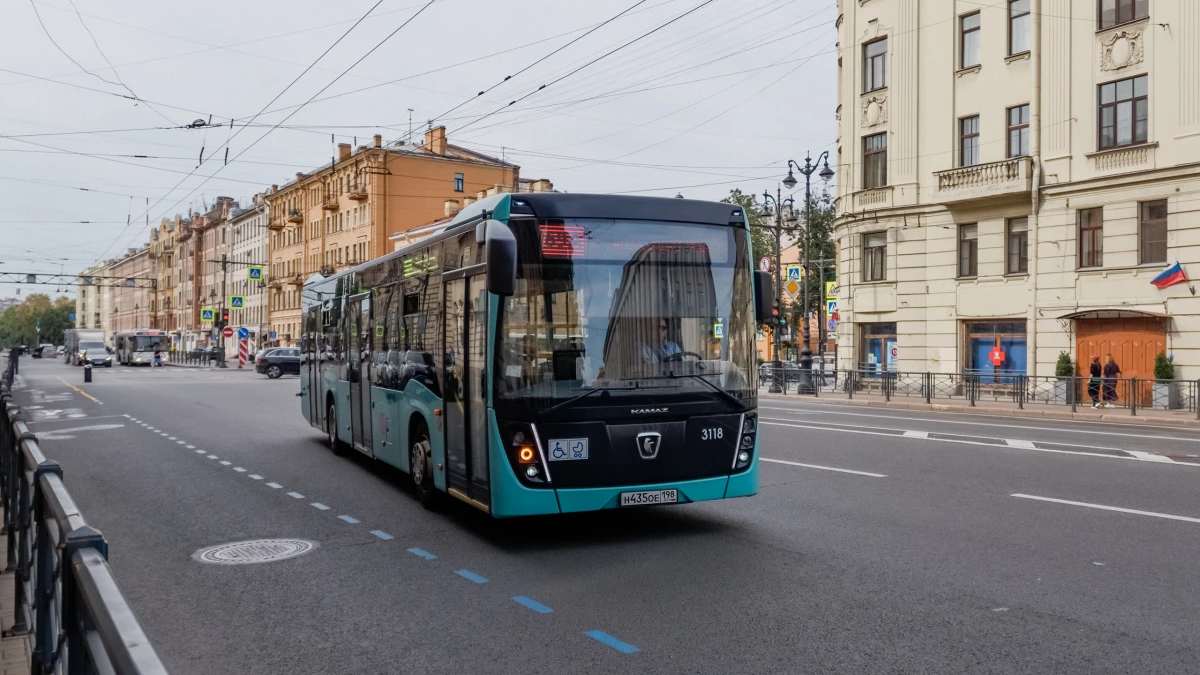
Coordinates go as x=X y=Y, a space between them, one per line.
x=995 y=350
x=879 y=350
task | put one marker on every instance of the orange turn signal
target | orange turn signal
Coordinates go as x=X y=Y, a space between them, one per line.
x=526 y=454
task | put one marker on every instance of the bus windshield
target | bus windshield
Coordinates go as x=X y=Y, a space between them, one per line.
x=148 y=343
x=641 y=308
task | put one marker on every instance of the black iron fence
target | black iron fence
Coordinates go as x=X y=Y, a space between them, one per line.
x=196 y=357
x=1131 y=394
x=66 y=599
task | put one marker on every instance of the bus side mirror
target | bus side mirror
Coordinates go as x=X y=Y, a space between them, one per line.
x=501 y=258
x=764 y=296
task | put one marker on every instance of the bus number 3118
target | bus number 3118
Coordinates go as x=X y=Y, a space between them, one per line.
x=712 y=433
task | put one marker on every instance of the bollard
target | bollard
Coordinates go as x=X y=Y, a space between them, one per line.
x=87 y=372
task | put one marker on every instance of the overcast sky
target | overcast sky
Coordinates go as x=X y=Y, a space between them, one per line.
x=720 y=98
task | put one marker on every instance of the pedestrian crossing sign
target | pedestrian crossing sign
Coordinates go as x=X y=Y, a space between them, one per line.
x=379 y=331
x=206 y=314
x=254 y=273
x=237 y=301
x=794 y=272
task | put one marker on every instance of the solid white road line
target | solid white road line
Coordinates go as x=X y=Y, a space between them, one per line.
x=1102 y=507
x=1100 y=432
x=824 y=468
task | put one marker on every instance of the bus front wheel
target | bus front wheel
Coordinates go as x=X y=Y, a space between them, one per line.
x=421 y=466
x=331 y=429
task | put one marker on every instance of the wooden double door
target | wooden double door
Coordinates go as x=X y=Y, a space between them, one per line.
x=1133 y=343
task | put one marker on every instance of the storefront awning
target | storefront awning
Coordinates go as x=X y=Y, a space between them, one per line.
x=1115 y=313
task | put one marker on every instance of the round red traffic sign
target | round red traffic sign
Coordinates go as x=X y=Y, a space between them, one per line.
x=227 y=331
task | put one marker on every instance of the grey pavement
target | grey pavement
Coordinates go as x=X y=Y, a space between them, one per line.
x=882 y=541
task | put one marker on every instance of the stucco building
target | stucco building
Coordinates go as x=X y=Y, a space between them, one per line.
x=248 y=243
x=1012 y=175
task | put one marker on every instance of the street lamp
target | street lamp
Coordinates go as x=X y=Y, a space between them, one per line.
x=790 y=182
x=777 y=367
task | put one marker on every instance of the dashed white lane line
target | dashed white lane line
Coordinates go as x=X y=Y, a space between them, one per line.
x=225 y=462
x=1017 y=443
x=349 y=519
x=274 y=485
x=239 y=469
x=255 y=476
x=295 y=495
x=172 y=438
x=181 y=442
x=1102 y=507
x=190 y=447
x=212 y=457
x=824 y=468
x=201 y=452
x=916 y=434
x=319 y=506
x=1150 y=456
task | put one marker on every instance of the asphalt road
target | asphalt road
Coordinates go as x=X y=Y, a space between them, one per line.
x=882 y=541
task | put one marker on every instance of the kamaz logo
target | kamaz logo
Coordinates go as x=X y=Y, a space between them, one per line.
x=647 y=411
x=648 y=444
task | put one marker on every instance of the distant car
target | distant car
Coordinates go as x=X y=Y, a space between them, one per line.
x=97 y=357
x=275 y=363
x=46 y=351
x=60 y=350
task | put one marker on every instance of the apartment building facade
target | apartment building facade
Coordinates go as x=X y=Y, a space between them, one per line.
x=249 y=247
x=1012 y=177
x=131 y=292
x=341 y=215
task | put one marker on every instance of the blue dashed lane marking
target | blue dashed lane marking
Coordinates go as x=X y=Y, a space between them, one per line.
x=423 y=553
x=382 y=535
x=468 y=574
x=601 y=636
x=532 y=604
x=319 y=506
x=349 y=519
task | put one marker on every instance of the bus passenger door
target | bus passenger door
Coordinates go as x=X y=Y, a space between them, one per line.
x=357 y=367
x=465 y=359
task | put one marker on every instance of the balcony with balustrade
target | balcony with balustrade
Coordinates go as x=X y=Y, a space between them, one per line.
x=1006 y=178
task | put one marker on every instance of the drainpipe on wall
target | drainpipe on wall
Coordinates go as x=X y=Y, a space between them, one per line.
x=1035 y=153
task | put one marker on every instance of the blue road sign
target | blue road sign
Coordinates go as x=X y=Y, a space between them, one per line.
x=206 y=314
x=254 y=273
x=237 y=301
x=272 y=335
x=72 y=316
x=243 y=333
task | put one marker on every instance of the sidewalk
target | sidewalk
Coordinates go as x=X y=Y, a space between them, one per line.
x=14 y=650
x=1084 y=412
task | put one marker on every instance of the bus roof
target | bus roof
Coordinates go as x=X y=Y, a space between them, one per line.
x=571 y=205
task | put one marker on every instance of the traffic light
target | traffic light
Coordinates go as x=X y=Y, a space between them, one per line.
x=223 y=320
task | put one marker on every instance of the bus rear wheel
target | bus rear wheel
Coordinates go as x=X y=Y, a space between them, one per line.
x=421 y=467
x=331 y=430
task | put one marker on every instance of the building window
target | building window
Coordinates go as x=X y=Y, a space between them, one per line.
x=1091 y=237
x=1123 y=112
x=458 y=182
x=1018 y=131
x=995 y=350
x=1018 y=246
x=875 y=65
x=968 y=135
x=968 y=48
x=1152 y=232
x=875 y=256
x=1115 y=12
x=968 y=250
x=1018 y=26
x=875 y=161
x=878 y=351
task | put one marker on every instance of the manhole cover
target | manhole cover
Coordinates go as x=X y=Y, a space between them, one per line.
x=254 y=551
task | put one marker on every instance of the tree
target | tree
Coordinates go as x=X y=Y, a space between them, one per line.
x=762 y=235
x=19 y=325
x=820 y=225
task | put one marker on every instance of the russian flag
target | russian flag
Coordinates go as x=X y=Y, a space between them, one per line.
x=1170 y=276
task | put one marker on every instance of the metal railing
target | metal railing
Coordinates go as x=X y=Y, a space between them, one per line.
x=195 y=357
x=1131 y=394
x=66 y=596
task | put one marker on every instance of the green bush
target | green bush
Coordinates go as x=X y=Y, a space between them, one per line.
x=1063 y=367
x=1164 y=368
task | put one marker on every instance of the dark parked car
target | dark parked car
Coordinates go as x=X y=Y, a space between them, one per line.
x=279 y=361
x=98 y=357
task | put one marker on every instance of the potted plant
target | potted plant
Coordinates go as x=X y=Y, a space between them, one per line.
x=1064 y=370
x=1166 y=392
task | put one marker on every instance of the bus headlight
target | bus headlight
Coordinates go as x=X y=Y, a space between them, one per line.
x=744 y=452
x=531 y=472
x=523 y=452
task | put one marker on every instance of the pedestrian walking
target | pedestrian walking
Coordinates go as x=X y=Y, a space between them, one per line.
x=1094 y=381
x=157 y=358
x=1111 y=371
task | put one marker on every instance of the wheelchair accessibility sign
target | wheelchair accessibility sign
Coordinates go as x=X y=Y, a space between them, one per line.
x=562 y=449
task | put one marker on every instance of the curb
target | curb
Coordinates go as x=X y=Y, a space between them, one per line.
x=1015 y=412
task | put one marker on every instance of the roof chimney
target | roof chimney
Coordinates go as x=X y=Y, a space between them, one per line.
x=467 y=201
x=274 y=189
x=378 y=141
x=435 y=140
x=299 y=176
x=451 y=207
x=543 y=185
x=343 y=151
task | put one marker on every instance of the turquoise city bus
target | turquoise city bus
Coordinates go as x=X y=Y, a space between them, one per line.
x=549 y=353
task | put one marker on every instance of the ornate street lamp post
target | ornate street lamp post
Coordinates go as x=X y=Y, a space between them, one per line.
x=790 y=181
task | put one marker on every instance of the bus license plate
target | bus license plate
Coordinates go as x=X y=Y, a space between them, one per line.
x=649 y=497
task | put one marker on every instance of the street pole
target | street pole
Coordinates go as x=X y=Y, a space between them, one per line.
x=805 y=386
x=776 y=386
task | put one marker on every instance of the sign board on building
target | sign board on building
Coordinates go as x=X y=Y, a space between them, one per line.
x=831 y=290
x=997 y=357
x=795 y=272
x=206 y=315
x=237 y=301
x=764 y=264
x=254 y=273
x=243 y=333
x=895 y=352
